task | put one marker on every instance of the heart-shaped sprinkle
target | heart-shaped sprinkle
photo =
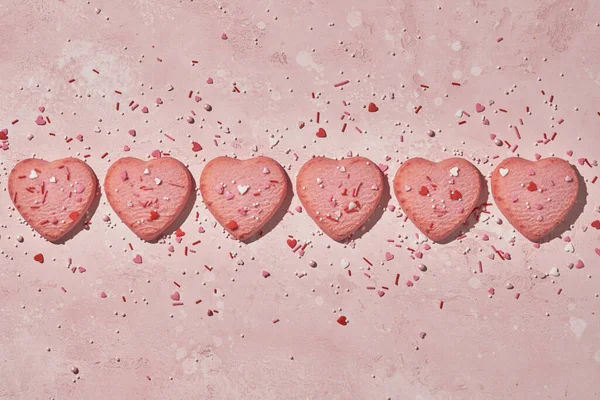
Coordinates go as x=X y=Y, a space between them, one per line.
x=175 y=296
x=40 y=120
x=354 y=201
x=52 y=208
x=388 y=256
x=196 y=147
x=265 y=274
x=292 y=243
x=597 y=250
x=596 y=224
x=137 y=259
x=156 y=154
x=39 y=258
x=440 y=205
x=146 y=205
x=372 y=107
x=454 y=171
x=503 y=171
x=542 y=204
x=252 y=208
x=159 y=100
x=479 y=107
x=321 y=133
x=342 y=320
x=579 y=264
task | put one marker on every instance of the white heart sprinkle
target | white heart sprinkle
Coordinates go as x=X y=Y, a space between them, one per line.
x=568 y=179
x=569 y=248
x=454 y=171
x=459 y=113
x=157 y=181
x=243 y=189
x=352 y=205
x=266 y=170
x=554 y=272
x=344 y=263
x=375 y=187
x=146 y=171
x=337 y=214
x=52 y=179
x=319 y=180
x=33 y=174
x=407 y=188
x=503 y=171
x=342 y=169
x=483 y=217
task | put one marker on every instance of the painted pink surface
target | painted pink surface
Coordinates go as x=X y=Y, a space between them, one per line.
x=255 y=65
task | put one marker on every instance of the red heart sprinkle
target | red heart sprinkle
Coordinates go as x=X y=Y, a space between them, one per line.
x=179 y=232
x=74 y=215
x=39 y=258
x=321 y=133
x=532 y=187
x=196 y=146
x=342 y=320
x=373 y=107
x=154 y=215
x=423 y=191
x=455 y=195
x=4 y=134
x=232 y=225
x=596 y=224
x=292 y=243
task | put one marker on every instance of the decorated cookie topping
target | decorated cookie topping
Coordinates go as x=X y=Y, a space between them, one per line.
x=158 y=181
x=532 y=187
x=503 y=171
x=52 y=179
x=33 y=174
x=454 y=171
x=243 y=188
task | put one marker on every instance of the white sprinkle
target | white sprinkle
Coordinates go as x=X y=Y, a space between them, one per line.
x=266 y=170
x=52 y=179
x=157 y=181
x=146 y=171
x=33 y=174
x=407 y=188
x=454 y=171
x=243 y=189
x=344 y=263
x=503 y=171
x=554 y=272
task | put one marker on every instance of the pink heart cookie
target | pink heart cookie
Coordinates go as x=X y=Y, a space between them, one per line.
x=148 y=196
x=52 y=196
x=437 y=197
x=243 y=194
x=340 y=195
x=535 y=196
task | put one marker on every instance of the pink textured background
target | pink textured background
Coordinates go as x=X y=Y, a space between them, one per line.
x=541 y=346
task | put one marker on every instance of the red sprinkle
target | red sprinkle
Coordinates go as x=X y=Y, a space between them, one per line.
x=532 y=187
x=232 y=225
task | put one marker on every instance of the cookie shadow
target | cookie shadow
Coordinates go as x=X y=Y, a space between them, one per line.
x=377 y=214
x=80 y=225
x=471 y=221
x=278 y=216
x=580 y=203
x=189 y=206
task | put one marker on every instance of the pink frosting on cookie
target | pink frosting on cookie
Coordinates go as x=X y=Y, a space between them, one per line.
x=148 y=196
x=340 y=195
x=437 y=197
x=52 y=196
x=535 y=196
x=243 y=195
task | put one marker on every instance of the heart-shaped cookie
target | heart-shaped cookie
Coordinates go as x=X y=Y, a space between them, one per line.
x=243 y=194
x=340 y=195
x=148 y=196
x=535 y=196
x=52 y=196
x=437 y=197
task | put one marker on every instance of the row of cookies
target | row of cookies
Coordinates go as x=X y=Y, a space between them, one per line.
x=339 y=195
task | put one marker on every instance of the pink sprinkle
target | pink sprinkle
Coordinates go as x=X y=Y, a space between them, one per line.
x=409 y=283
x=579 y=264
x=209 y=80
x=298 y=209
x=517 y=295
x=538 y=156
x=499 y=39
x=103 y=295
x=265 y=274
x=224 y=36
x=536 y=245
x=391 y=207
x=517 y=132
x=381 y=293
x=559 y=291
x=480 y=267
x=276 y=320
x=342 y=83
x=416 y=278
x=370 y=287
x=169 y=137
x=159 y=100
x=177 y=303
x=491 y=291
x=560 y=121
